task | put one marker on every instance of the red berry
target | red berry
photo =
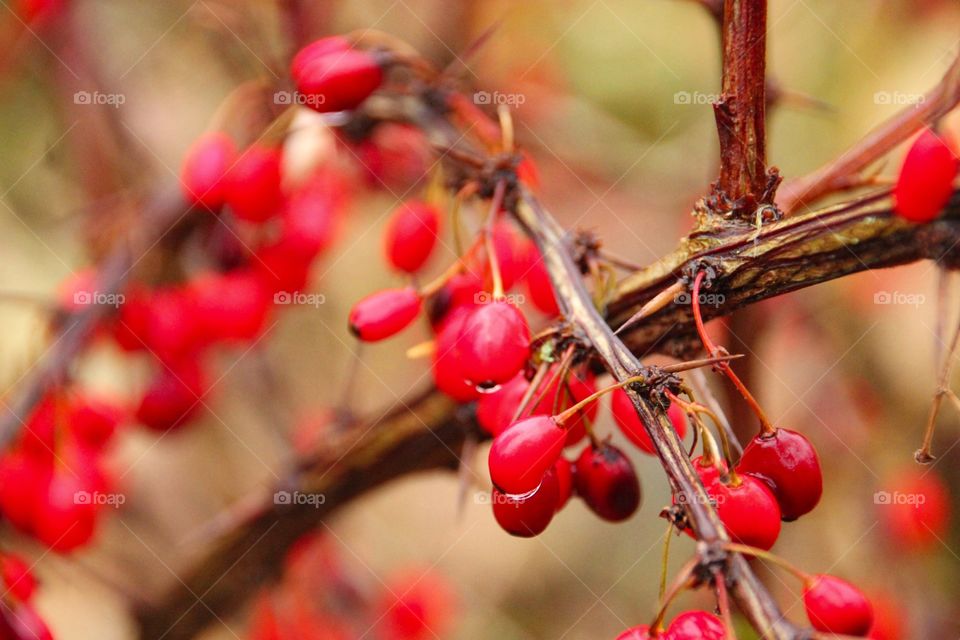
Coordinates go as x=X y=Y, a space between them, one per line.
x=174 y=396
x=448 y=367
x=17 y=577
x=915 y=509
x=34 y=12
x=563 y=471
x=640 y=632
x=495 y=410
x=511 y=250
x=416 y=605
x=461 y=290
x=495 y=343
x=926 y=178
x=230 y=306
x=527 y=515
x=337 y=80
x=384 y=314
x=607 y=482
x=627 y=418
x=788 y=464
x=23 y=483
x=317 y=49
x=253 y=184
x=282 y=267
x=205 y=168
x=411 y=235
x=160 y=321
x=696 y=625
x=93 y=420
x=523 y=452
x=836 y=606
x=749 y=511
x=66 y=516
x=22 y=622
x=539 y=285
x=309 y=220
x=564 y=394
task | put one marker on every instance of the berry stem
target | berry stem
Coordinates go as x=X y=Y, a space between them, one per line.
x=665 y=560
x=803 y=576
x=568 y=413
x=766 y=427
x=683 y=580
x=495 y=203
x=723 y=602
x=531 y=390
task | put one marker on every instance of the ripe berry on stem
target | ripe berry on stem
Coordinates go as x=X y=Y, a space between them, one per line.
x=787 y=462
x=335 y=79
x=836 y=606
x=253 y=184
x=527 y=515
x=384 y=314
x=696 y=625
x=411 y=235
x=205 y=168
x=524 y=451
x=607 y=482
x=627 y=418
x=495 y=342
x=925 y=183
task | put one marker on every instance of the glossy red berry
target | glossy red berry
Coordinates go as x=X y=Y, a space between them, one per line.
x=696 y=625
x=336 y=80
x=66 y=516
x=230 y=306
x=749 y=511
x=411 y=235
x=93 y=420
x=461 y=290
x=836 y=606
x=18 y=579
x=563 y=471
x=926 y=178
x=539 y=285
x=204 y=170
x=174 y=396
x=22 y=622
x=384 y=314
x=495 y=343
x=23 y=484
x=527 y=515
x=317 y=49
x=914 y=509
x=788 y=463
x=562 y=394
x=449 y=368
x=253 y=188
x=607 y=482
x=627 y=418
x=523 y=452
x=495 y=410
x=640 y=632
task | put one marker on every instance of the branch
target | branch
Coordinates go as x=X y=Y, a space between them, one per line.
x=842 y=172
x=76 y=328
x=741 y=110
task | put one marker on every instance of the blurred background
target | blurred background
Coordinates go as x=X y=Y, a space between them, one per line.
x=614 y=106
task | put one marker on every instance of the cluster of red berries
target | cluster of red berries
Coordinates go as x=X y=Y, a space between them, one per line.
x=19 y=619
x=321 y=597
x=925 y=183
x=690 y=625
x=53 y=485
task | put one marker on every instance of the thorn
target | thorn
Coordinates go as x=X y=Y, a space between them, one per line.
x=653 y=305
